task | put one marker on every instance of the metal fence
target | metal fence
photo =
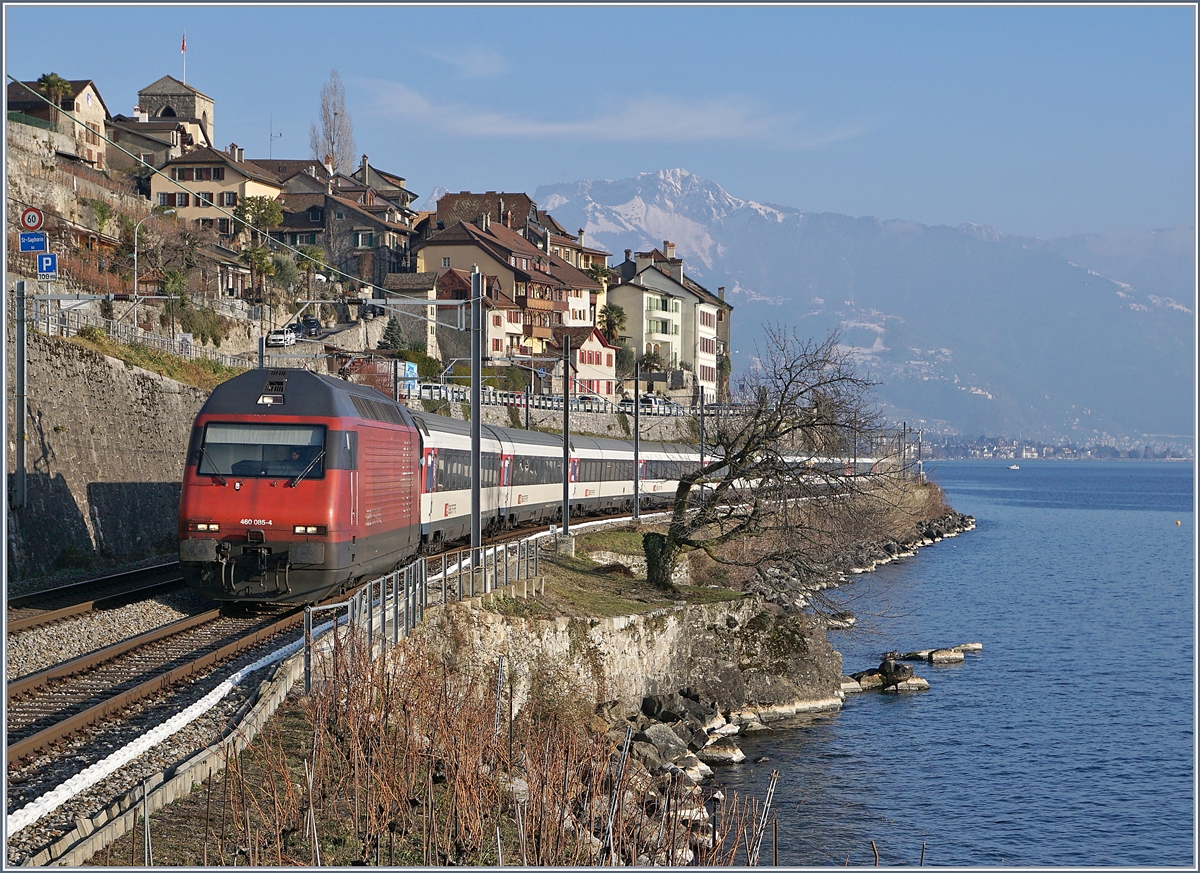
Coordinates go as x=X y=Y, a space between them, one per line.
x=45 y=318
x=387 y=609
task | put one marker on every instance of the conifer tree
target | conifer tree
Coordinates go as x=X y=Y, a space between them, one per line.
x=393 y=337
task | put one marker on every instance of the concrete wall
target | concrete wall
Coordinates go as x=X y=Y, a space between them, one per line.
x=105 y=453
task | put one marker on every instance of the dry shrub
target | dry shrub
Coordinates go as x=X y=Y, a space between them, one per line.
x=415 y=762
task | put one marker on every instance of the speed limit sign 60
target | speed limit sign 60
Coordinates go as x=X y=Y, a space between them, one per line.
x=31 y=219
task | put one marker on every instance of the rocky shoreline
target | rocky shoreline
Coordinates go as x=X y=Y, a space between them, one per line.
x=683 y=734
x=795 y=593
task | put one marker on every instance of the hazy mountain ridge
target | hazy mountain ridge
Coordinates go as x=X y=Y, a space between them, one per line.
x=968 y=327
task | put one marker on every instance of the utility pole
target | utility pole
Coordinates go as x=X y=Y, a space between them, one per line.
x=701 y=439
x=637 y=439
x=566 y=506
x=476 y=368
x=20 y=494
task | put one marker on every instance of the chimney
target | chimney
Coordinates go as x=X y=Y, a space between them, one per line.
x=329 y=165
x=500 y=211
x=508 y=219
x=241 y=155
x=669 y=249
x=628 y=254
x=140 y=115
x=721 y=293
x=363 y=167
x=581 y=236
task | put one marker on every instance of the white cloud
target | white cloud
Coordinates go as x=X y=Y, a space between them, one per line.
x=648 y=119
x=472 y=63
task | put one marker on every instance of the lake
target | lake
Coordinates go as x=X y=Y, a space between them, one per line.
x=1068 y=741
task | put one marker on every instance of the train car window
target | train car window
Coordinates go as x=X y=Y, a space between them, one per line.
x=341 y=450
x=262 y=450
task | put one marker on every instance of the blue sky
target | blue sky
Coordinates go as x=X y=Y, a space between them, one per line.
x=1041 y=120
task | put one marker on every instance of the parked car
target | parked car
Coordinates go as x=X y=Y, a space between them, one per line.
x=589 y=403
x=296 y=328
x=312 y=327
x=281 y=337
x=652 y=404
x=625 y=406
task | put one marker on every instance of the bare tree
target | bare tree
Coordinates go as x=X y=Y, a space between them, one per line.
x=778 y=491
x=333 y=135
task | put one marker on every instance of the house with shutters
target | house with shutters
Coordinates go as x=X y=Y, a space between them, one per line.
x=503 y=329
x=197 y=183
x=524 y=272
x=363 y=236
x=670 y=314
x=84 y=104
x=593 y=361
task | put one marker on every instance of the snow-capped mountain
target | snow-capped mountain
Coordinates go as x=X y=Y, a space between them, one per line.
x=965 y=328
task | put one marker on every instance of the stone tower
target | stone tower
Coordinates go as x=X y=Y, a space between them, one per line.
x=170 y=98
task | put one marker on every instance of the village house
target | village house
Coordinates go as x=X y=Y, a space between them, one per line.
x=593 y=361
x=503 y=333
x=84 y=104
x=367 y=240
x=205 y=178
x=523 y=270
x=673 y=316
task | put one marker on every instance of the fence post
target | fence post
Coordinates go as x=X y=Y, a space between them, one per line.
x=396 y=606
x=370 y=589
x=423 y=589
x=308 y=650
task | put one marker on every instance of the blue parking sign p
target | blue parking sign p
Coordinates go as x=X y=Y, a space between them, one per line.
x=47 y=266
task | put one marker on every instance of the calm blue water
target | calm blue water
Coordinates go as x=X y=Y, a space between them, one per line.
x=1068 y=741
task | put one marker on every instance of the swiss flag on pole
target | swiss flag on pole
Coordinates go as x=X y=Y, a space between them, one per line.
x=183 y=45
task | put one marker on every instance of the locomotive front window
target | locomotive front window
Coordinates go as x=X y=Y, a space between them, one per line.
x=263 y=451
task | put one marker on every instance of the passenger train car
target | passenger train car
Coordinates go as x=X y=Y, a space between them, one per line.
x=298 y=485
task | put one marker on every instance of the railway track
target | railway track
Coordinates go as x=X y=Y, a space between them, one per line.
x=46 y=607
x=51 y=705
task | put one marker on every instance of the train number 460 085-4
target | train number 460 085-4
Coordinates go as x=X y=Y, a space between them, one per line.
x=258 y=522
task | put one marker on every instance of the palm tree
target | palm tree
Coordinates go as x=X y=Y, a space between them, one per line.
x=599 y=272
x=258 y=259
x=612 y=322
x=56 y=88
x=310 y=260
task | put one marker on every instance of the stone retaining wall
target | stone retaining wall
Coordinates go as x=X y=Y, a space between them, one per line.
x=742 y=654
x=105 y=450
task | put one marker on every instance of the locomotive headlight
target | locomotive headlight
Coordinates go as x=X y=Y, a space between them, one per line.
x=308 y=529
x=203 y=526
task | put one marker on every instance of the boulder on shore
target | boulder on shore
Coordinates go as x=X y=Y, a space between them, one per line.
x=723 y=751
x=665 y=741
